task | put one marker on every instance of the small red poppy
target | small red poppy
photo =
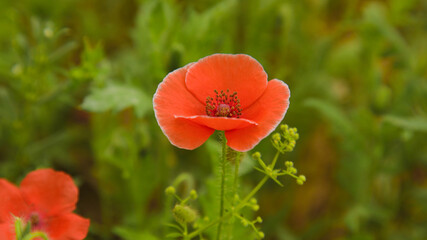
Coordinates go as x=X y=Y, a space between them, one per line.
x=47 y=199
x=220 y=92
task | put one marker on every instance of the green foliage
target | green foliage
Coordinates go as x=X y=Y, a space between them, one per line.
x=117 y=98
x=77 y=79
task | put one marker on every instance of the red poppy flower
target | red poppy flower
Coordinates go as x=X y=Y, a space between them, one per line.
x=220 y=92
x=47 y=199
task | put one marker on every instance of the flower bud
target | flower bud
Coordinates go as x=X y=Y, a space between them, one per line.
x=292 y=170
x=184 y=214
x=276 y=137
x=261 y=235
x=170 y=190
x=284 y=127
x=255 y=207
x=256 y=155
x=193 y=194
x=245 y=222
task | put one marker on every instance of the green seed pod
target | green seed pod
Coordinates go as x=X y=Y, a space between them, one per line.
x=184 y=214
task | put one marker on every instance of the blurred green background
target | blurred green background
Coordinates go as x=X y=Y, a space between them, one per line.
x=77 y=79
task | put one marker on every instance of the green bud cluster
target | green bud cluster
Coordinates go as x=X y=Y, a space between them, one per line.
x=183 y=213
x=291 y=170
x=301 y=180
x=253 y=204
x=290 y=167
x=286 y=141
x=171 y=191
x=246 y=222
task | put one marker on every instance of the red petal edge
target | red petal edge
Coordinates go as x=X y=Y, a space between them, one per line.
x=172 y=98
x=235 y=72
x=11 y=202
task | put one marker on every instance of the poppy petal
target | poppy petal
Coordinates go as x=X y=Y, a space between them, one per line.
x=11 y=201
x=238 y=73
x=220 y=123
x=50 y=192
x=67 y=226
x=172 y=98
x=267 y=111
x=7 y=231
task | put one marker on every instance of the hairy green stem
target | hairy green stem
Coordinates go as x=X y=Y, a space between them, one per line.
x=236 y=172
x=240 y=206
x=222 y=194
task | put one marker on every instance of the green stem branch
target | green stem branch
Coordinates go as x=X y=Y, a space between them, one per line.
x=258 y=187
x=236 y=172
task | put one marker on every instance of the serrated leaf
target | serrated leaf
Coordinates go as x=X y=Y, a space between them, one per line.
x=116 y=98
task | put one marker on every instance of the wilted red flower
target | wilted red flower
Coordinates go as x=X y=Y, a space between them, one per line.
x=46 y=198
x=220 y=92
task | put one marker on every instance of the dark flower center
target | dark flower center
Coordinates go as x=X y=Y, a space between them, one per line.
x=34 y=220
x=224 y=105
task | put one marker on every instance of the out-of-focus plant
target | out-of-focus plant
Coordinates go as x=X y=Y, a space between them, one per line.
x=358 y=76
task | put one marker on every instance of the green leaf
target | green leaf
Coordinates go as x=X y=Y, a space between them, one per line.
x=415 y=123
x=116 y=98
